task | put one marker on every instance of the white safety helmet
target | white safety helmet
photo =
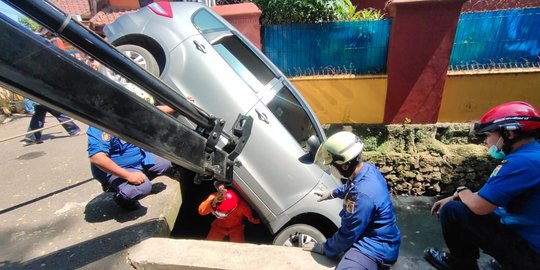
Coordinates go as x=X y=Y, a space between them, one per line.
x=139 y=92
x=338 y=149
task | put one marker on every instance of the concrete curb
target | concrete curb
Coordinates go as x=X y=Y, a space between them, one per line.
x=198 y=254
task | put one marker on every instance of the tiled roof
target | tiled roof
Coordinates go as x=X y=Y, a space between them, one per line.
x=73 y=7
x=108 y=15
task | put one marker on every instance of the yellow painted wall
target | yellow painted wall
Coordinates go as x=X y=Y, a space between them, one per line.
x=467 y=97
x=345 y=99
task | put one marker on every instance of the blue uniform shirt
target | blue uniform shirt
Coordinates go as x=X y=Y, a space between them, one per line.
x=514 y=186
x=368 y=222
x=124 y=154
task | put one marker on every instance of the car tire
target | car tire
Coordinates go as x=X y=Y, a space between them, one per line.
x=298 y=235
x=141 y=57
x=137 y=54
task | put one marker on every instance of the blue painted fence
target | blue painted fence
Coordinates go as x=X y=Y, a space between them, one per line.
x=357 y=47
x=484 y=40
x=497 y=39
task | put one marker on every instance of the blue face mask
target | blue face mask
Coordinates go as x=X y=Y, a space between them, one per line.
x=496 y=153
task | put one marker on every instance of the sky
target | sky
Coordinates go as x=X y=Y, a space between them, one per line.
x=7 y=10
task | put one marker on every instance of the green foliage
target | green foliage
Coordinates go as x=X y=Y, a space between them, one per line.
x=312 y=11
x=298 y=11
x=368 y=14
x=346 y=11
x=28 y=23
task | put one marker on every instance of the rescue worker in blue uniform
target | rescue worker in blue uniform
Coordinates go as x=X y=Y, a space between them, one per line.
x=368 y=235
x=122 y=167
x=503 y=217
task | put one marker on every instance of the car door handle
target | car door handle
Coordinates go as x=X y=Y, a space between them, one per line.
x=199 y=46
x=262 y=116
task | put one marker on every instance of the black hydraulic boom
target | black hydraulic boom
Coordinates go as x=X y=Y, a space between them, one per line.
x=37 y=69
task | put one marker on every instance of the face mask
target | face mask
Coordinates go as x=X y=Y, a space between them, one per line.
x=495 y=152
x=349 y=168
x=334 y=171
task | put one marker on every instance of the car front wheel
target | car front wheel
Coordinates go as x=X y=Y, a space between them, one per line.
x=298 y=235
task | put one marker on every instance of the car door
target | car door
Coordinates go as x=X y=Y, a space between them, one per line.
x=275 y=163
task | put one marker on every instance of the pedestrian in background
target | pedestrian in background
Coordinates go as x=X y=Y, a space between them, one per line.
x=503 y=217
x=38 y=121
x=368 y=235
x=29 y=106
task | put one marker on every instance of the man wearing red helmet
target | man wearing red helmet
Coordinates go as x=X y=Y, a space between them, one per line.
x=503 y=217
x=230 y=211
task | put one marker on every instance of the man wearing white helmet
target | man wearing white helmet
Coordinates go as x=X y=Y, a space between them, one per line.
x=368 y=235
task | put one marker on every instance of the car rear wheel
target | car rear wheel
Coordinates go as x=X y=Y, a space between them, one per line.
x=137 y=54
x=298 y=235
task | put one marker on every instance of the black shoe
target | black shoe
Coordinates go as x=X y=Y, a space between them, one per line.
x=444 y=260
x=125 y=204
x=30 y=141
x=106 y=188
x=437 y=258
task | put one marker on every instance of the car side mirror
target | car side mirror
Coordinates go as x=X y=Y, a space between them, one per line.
x=313 y=144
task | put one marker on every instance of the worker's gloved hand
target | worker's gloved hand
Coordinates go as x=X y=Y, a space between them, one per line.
x=314 y=247
x=326 y=195
x=220 y=194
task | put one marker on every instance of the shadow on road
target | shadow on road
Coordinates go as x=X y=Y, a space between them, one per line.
x=44 y=196
x=87 y=252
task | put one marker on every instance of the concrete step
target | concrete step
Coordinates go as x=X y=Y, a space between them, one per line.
x=166 y=253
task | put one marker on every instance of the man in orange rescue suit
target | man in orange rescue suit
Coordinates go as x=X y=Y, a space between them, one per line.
x=230 y=211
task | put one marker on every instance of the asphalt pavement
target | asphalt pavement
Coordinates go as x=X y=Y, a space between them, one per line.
x=54 y=215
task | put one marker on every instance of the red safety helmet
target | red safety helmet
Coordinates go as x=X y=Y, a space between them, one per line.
x=227 y=206
x=516 y=115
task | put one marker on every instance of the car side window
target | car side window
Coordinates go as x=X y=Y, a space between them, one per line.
x=244 y=62
x=288 y=110
x=206 y=22
x=234 y=51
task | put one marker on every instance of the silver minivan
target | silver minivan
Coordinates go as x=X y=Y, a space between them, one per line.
x=199 y=54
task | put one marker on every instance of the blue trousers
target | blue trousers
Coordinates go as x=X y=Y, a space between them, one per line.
x=136 y=192
x=465 y=233
x=356 y=260
x=38 y=121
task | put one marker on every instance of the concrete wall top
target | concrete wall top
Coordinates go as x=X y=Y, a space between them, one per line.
x=237 y=9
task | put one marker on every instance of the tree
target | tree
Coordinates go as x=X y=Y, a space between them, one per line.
x=28 y=23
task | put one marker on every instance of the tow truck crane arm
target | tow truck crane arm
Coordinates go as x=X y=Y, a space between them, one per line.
x=37 y=69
